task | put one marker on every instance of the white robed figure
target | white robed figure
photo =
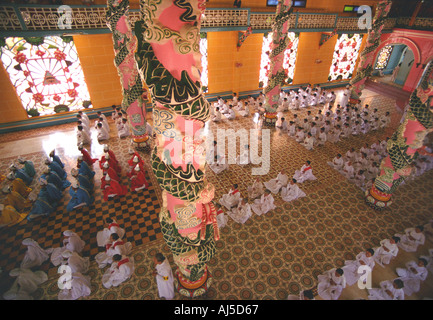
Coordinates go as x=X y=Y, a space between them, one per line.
x=76 y=262
x=35 y=255
x=411 y=239
x=121 y=270
x=113 y=227
x=256 y=189
x=164 y=277
x=71 y=242
x=412 y=275
x=331 y=284
x=389 y=290
x=244 y=157
x=352 y=266
x=241 y=213
x=305 y=173
x=264 y=204
x=337 y=163
x=25 y=284
x=274 y=185
x=232 y=198
x=222 y=219
x=388 y=249
x=291 y=191
x=78 y=287
x=219 y=165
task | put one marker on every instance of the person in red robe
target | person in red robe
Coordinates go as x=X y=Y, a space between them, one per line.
x=86 y=155
x=138 y=179
x=110 y=172
x=113 y=189
x=135 y=158
x=110 y=153
x=113 y=164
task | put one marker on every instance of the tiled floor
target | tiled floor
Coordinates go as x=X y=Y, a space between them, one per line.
x=268 y=257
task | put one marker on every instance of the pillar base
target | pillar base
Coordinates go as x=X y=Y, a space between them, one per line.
x=141 y=143
x=377 y=199
x=270 y=119
x=193 y=289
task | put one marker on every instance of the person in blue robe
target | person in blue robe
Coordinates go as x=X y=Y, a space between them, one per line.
x=54 y=166
x=80 y=197
x=42 y=207
x=84 y=169
x=20 y=173
x=29 y=167
x=56 y=158
x=83 y=180
x=52 y=177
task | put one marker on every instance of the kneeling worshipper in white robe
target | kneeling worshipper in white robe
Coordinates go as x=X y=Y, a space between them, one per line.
x=222 y=219
x=79 y=286
x=25 y=284
x=305 y=173
x=411 y=239
x=231 y=114
x=35 y=255
x=164 y=276
x=274 y=185
x=291 y=191
x=244 y=157
x=114 y=246
x=123 y=130
x=308 y=142
x=245 y=112
x=389 y=290
x=76 y=262
x=348 y=170
x=337 y=163
x=113 y=227
x=388 y=249
x=303 y=295
x=300 y=135
x=331 y=284
x=412 y=275
x=71 y=242
x=352 y=266
x=256 y=189
x=217 y=115
x=121 y=270
x=264 y=204
x=232 y=198
x=102 y=132
x=241 y=213
x=219 y=165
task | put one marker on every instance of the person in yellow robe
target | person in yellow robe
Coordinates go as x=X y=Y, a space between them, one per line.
x=9 y=216
x=19 y=186
x=14 y=199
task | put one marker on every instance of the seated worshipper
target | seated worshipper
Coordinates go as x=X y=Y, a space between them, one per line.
x=118 y=121
x=9 y=216
x=80 y=286
x=138 y=179
x=244 y=157
x=55 y=167
x=50 y=192
x=303 y=295
x=321 y=139
x=241 y=213
x=351 y=155
x=82 y=180
x=359 y=179
x=291 y=130
x=222 y=219
x=411 y=239
x=21 y=174
x=306 y=126
x=113 y=164
x=219 y=164
x=308 y=142
x=25 y=284
x=71 y=242
x=18 y=185
x=255 y=190
x=53 y=177
x=14 y=199
x=296 y=104
x=101 y=115
x=83 y=137
x=56 y=158
x=412 y=275
x=80 y=197
x=232 y=198
x=123 y=130
x=224 y=108
x=291 y=191
x=389 y=290
x=352 y=266
x=102 y=132
x=120 y=271
x=83 y=121
x=29 y=167
x=35 y=255
x=113 y=189
x=348 y=170
x=388 y=249
x=300 y=135
x=75 y=261
x=84 y=169
x=274 y=185
x=217 y=115
x=337 y=163
x=305 y=173
x=331 y=284
x=86 y=156
x=282 y=125
x=43 y=206
x=264 y=204
x=114 y=113
x=231 y=114
x=110 y=152
x=346 y=131
x=314 y=130
x=112 y=227
x=245 y=112
x=164 y=277
x=114 y=245
x=385 y=120
x=110 y=172
x=334 y=134
x=356 y=129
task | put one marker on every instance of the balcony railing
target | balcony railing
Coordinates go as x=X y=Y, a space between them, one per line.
x=17 y=20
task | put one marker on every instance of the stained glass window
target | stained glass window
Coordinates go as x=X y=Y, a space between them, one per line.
x=46 y=73
x=345 y=55
x=383 y=58
x=289 y=58
x=204 y=70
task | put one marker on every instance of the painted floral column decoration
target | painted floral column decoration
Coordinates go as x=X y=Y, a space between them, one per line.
x=276 y=74
x=405 y=144
x=125 y=44
x=365 y=66
x=168 y=57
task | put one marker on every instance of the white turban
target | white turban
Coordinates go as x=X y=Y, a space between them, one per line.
x=68 y=233
x=80 y=157
x=13 y=166
x=21 y=159
x=66 y=254
x=43 y=181
x=131 y=151
x=74 y=185
x=74 y=172
x=6 y=189
x=106 y=147
x=11 y=176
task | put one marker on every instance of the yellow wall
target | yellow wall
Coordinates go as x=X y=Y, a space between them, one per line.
x=11 y=108
x=97 y=60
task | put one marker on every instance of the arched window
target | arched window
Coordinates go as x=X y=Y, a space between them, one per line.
x=383 y=58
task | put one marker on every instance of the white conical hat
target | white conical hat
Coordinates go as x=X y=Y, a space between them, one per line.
x=135 y=159
x=106 y=165
x=106 y=147
x=107 y=155
x=107 y=178
x=131 y=151
x=137 y=168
